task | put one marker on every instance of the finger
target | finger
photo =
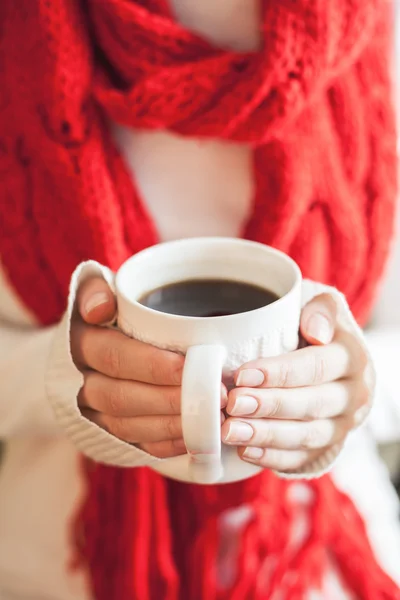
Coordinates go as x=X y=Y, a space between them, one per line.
x=112 y=353
x=309 y=366
x=279 y=460
x=315 y=402
x=124 y=398
x=139 y=430
x=165 y=449
x=286 y=435
x=96 y=302
x=318 y=320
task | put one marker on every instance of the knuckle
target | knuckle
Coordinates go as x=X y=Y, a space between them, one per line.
x=174 y=366
x=318 y=368
x=274 y=406
x=165 y=367
x=313 y=436
x=112 y=360
x=157 y=369
x=284 y=374
x=115 y=401
x=268 y=437
x=318 y=408
x=172 y=399
x=117 y=428
x=170 y=427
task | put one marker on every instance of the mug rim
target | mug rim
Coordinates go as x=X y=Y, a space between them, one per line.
x=206 y=241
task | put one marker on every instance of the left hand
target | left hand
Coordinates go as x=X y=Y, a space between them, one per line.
x=286 y=411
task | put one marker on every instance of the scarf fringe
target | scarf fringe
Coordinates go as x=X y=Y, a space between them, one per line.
x=174 y=552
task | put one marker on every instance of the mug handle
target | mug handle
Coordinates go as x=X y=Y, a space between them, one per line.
x=201 y=410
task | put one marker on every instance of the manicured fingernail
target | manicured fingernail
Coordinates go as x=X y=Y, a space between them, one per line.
x=320 y=328
x=250 y=378
x=239 y=432
x=244 y=405
x=96 y=300
x=253 y=453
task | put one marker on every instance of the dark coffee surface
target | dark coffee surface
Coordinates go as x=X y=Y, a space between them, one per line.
x=208 y=298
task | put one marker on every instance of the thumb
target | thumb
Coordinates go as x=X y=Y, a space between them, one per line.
x=318 y=320
x=96 y=302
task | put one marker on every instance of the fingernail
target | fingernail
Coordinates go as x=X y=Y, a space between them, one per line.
x=250 y=378
x=253 y=453
x=239 y=432
x=320 y=328
x=96 y=300
x=244 y=405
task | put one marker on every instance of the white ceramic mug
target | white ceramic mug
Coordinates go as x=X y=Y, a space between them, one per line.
x=214 y=346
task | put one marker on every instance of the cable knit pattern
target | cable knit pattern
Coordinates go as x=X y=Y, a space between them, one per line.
x=313 y=102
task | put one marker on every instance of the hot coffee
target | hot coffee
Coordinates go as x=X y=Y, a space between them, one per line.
x=208 y=298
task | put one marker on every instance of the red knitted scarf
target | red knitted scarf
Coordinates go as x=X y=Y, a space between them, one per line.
x=314 y=104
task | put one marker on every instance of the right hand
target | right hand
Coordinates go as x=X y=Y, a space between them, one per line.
x=131 y=389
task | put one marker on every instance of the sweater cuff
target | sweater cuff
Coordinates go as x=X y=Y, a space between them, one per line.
x=64 y=380
x=345 y=322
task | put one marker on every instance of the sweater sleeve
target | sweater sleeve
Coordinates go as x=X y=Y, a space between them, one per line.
x=384 y=345
x=24 y=409
x=383 y=338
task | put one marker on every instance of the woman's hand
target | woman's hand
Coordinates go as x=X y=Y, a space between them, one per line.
x=131 y=389
x=286 y=411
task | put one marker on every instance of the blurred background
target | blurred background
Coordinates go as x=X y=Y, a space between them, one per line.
x=384 y=332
